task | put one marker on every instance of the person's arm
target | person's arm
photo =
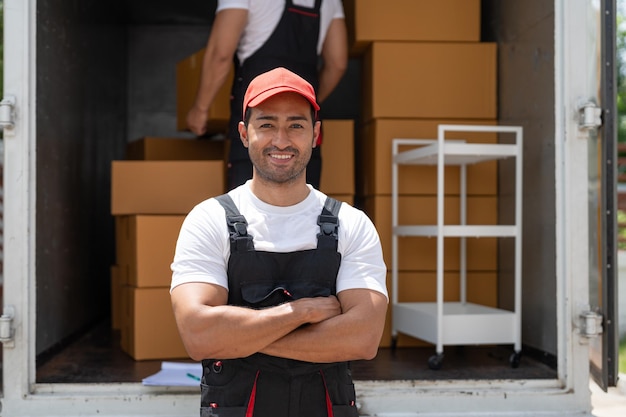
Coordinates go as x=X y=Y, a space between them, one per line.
x=218 y=59
x=211 y=329
x=334 y=58
x=355 y=334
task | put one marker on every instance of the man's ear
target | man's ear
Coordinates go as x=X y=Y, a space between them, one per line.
x=243 y=133
x=317 y=129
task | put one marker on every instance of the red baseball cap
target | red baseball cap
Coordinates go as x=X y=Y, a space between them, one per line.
x=278 y=80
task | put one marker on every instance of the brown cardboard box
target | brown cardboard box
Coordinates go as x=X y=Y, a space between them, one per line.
x=163 y=187
x=175 y=149
x=187 y=81
x=145 y=248
x=420 y=253
x=482 y=288
x=337 y=157
x=150 y=330
x=430 y=80
x=376 y=138
x=411 y=20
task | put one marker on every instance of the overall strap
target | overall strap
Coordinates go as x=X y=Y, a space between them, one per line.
x=329 y=224
x=240 y=240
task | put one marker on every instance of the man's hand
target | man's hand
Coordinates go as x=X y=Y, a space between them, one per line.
x=317 y=309
x=197 y=120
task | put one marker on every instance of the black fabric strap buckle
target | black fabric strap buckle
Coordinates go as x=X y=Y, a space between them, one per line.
x=328 y=224
x=239 y=224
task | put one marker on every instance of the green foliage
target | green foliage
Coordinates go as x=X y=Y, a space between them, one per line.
x=621 y=230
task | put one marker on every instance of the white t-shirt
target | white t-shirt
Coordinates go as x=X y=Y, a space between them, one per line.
x=203 y=246
x=264 y=15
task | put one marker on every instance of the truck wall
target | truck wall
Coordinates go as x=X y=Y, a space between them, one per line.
x=525 y=35
x=81 y=124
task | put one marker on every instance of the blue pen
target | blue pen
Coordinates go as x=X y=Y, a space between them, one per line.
x=192 y=376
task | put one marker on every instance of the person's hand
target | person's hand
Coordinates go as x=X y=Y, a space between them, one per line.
x=319 y=308
x=197 y=120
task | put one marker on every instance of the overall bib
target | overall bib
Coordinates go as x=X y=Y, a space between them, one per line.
x=268 y=386
x=292 y=45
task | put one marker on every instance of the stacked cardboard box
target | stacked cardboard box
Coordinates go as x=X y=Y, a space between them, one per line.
x=424 y=65
x=337 y=179
x=150 y=196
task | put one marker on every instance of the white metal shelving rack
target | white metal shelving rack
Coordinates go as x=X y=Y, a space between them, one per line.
x=457 y=323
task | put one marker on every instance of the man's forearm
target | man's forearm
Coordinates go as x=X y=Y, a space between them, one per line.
x=353 y=335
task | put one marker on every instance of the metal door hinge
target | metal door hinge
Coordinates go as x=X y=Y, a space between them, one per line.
x=7 y=112
x=7 y=332
x=589 y=116
x=590 y=324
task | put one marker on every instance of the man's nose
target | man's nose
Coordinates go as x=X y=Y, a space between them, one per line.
x=281 y=139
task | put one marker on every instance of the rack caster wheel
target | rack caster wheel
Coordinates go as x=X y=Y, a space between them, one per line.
x=435 y=361
x=394 y=343
x=514 y=359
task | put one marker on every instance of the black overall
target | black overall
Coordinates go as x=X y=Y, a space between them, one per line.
x=269 y=386
x=292 y=45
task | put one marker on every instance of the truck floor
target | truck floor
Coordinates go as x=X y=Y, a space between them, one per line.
x=95 y=357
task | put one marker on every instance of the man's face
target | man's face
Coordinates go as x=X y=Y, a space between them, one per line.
x=280 y=137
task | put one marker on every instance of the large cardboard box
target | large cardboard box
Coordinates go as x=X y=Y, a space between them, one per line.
x=145 y=248
x=163 y=187
x=420 y=253
x=337 y=157
x=430 y=80
x=482 y=288
x=411 y=20
x=149 y=330
x=187 y=81
x=175 y=149
x=376 y=139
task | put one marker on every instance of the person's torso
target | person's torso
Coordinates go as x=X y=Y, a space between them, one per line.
x=264 y=16
x=262 y=385
x=259 y=279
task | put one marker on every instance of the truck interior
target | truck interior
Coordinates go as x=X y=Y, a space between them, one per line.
x=106 y=76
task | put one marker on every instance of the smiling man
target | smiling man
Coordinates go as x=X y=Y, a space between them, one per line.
x=277 y=287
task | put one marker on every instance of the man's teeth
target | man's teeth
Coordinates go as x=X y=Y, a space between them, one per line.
x=281 y=156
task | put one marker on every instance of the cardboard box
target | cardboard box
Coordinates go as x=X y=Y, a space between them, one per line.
x=420 y=253
x=187 y=81
x=175 y=149
x=150 y=331
x=376 y=139
x=482 y=288
x=163 y=187
x=145 y=248
x=337 y=157
x=411 y=20
x=430 y=80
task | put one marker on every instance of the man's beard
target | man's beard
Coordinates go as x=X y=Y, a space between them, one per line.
x=270 y=173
